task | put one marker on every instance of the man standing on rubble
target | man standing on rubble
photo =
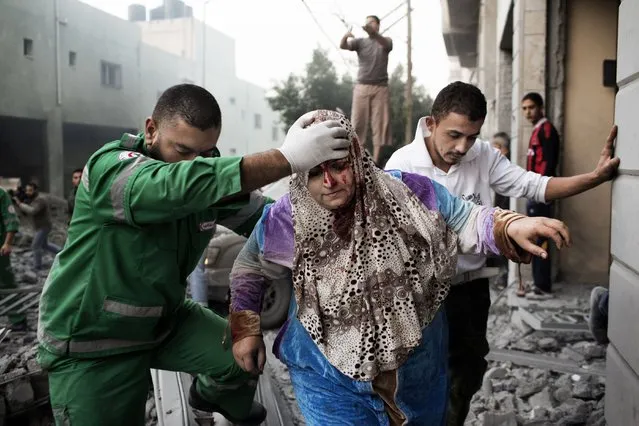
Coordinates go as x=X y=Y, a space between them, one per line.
x=114 y=303
x=446 y=150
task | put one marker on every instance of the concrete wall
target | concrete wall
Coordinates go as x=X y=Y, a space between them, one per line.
x=588 y=116
x=528 y=73
x=622 y=384
x=487 y=64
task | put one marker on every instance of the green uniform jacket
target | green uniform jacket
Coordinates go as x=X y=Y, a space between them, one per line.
x=139 y=228
x=9 y=222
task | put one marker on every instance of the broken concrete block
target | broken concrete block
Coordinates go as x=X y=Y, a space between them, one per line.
x=529 y=388
x=5 y=363
x=571 y=354
x=493 y=373
x=539 y=414
x=524 y=345
x=12 y=374
x=582 y=390
x=32 y=365
x=509 y=385
x=29 y=277
x=506 y=401
x=572 y=412
x=563 y=394
x=548 y=344
x=541 y=399
x=498 y=419
x=19 y=395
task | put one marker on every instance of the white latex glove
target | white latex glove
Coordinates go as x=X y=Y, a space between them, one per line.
x=307 y=146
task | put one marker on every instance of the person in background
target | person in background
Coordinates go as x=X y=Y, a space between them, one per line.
x=501 y=142
x=37 y=207
x=76 y=176
x=9 y=225
x=543 y=158
x=371 y=96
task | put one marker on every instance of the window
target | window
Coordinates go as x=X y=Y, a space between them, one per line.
x=275 y=134
x=73 y=56
x=111 y=75
x=27 y=47
x=258 y=121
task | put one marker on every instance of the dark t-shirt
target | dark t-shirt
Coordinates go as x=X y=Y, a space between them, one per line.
x=373 y=60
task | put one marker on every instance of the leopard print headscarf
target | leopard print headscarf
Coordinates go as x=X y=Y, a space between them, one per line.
x=364 y=296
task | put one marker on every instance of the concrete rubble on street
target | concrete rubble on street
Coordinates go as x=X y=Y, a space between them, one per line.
x=513 y=393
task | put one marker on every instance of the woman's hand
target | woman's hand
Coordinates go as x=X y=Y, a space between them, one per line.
x=250 y=354
x=526 y=231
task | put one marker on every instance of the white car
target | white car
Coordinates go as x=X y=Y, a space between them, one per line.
x=221 y=253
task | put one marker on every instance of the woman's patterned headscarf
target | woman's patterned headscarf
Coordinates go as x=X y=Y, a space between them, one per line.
x=371 y=275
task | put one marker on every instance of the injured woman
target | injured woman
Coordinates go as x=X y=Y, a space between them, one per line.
x=371 y=254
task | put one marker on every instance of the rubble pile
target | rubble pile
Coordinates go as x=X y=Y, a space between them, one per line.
x=150 y=413
x=513 y=395
x=24 y=388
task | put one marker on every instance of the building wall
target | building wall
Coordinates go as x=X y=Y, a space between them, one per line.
x=528 y=72
x=487 y=64
x=588 y=116
x=150 y=57
x=622 y=384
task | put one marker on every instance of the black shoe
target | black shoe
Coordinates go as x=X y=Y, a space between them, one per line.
x=255 y=417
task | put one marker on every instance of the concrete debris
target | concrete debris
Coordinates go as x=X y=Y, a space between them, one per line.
x=562 y=394
x=548 y=344
x=530 y=388
x=496 y=419
x=542 y=399
x=18 y=394
x=513 y=393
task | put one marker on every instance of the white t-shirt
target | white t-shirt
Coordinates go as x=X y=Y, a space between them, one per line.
x=483 y=168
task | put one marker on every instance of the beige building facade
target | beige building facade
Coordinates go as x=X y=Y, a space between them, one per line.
x=582 y=56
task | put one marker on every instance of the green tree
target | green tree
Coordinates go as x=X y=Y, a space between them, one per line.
x=422 y=104
x=318 y=88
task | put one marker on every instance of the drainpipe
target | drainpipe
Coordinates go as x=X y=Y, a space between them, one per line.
x=58 y=74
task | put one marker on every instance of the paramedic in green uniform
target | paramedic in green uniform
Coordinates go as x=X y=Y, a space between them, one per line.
x=9 y=224
x=8 y=228
x=114 y=306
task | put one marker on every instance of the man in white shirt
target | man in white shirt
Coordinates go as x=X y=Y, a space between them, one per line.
x=446 y=150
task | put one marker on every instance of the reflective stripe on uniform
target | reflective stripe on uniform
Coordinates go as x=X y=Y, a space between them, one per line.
x=256 y=201
x=89 y=346
x=131 y=310
x=85 y=178
x=118 y=186
x=129 y=140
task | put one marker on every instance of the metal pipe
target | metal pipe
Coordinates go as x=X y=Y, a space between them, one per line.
x=58 y=73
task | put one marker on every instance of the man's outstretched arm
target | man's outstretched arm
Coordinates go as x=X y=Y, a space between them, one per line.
x=562 y=187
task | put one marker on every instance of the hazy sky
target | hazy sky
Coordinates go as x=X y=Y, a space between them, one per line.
x=276 y=37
